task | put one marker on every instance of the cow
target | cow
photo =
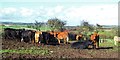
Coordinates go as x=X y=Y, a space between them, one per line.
x=38 y=37
x=62 y=35
x=95 y=39
x=10 y=33
x=28 y=36
x=46 y=37
x=116 y=39
x=79 y=37
x=52 y=35
x=72 y=36
x=82 y=45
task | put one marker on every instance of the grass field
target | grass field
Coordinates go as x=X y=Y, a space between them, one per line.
x=18 y=49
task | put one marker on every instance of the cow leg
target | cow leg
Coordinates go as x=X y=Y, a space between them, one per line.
x=94 y=44
x=22 y=39
x=30 y=40
x=40 y=39
x=33 y=41
x=46 y=41
x=38 y=42
x=97 y=44
x=59 y=41
x=65 y=41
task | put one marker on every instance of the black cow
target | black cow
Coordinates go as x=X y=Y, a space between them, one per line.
x=44 y=38
x=82 y=45
x=72 y=36
x=47 y=38
x=10 y=33
x=27 y=36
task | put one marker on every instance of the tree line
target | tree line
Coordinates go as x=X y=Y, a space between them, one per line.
x=84 y=26
x=58 y=24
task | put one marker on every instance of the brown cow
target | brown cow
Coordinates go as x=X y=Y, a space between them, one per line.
x=61 y=35
x=95 y=38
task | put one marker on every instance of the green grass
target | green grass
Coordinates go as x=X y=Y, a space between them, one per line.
x=13 y=26
x=43 y=28
x=26 y=51
x=109 y=42
x=32 y=50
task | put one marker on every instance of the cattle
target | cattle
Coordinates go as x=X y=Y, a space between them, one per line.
x=28 y=36
x=79 y=37
x=72 y=36
x=31 y=36
x=62 y=35
x=10 y=33
x=52 y=35
x=38 y=37
x=46 y=37
x=116 y=39
x=95 y=39
x=82 y=45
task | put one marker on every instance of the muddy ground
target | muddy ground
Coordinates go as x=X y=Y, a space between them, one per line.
x=57 y=51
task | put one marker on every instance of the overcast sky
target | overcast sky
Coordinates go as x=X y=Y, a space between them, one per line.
x=103 y=12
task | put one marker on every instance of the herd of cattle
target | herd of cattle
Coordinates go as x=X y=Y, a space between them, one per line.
x=28 y=36
x=46 y=37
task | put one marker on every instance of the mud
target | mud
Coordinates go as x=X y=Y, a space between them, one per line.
x=57 y=51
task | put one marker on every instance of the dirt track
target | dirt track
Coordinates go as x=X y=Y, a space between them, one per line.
x=58 y=51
